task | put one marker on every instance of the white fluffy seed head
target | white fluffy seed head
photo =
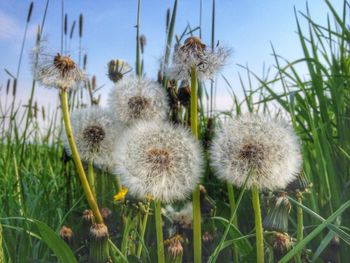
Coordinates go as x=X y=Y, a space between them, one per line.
x=265 y=147
x=183 y=217
x=193 y=53
x=159 y=160
x=55 y=70
x=135 y=99
x=95 y=133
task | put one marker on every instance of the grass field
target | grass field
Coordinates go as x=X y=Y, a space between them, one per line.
x=42 y=189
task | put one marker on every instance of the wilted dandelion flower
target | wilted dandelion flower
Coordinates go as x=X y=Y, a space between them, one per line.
x=193 y=53
x=159 y=160
x=55 y=71
x=117 y=69
x=266 y=147
x=95 y=133
x=182 y=217
x=136 y=98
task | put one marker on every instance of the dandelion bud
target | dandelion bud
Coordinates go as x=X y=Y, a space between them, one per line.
x=277 y=215
x=105 y=212
x=184 y=93
x=142 y=43
x=88 y=216
x=300 y=185
x=66 y=234
x=99 y=250
x=117 y=69
x=174 y=248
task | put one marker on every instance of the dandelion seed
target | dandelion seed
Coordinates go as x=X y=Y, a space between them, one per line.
x=136 y=98
x=55 y=71
x=158 y=159
x=193 y=53
x=117 y=69
x=96 y=134
x=268 y=147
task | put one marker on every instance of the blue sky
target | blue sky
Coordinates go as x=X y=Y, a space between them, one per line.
x=247 y=27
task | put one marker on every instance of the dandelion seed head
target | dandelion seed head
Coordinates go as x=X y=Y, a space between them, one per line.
x=135 y=99
x=95 y=133
x=267 y=147
x=160 y=160
x=55 y=71
x=193 y=53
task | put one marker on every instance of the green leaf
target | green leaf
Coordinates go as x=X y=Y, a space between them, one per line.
x=53 y=241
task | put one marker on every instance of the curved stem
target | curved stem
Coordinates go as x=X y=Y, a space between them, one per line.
x=159 y=230
x=75 y=155
x=258 y=226
x=197 y=236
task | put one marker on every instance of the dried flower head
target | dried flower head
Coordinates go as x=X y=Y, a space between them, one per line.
x=88 y=216
x=66 y=233
x=95 y=133
x=281 y=243
x=105 y=212
x=117 y=69
x=277 y=215
x=55 y=71
x=193 y=53
x=182 y=217
x=136 y=98
x=160 y=160
x=174 y=246
x=99 y=231
x=265 y=147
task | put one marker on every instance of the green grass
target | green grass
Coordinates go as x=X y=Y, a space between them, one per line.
x=40 y=189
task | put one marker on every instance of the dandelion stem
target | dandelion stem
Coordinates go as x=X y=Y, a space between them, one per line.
x=300 y=224
x=159 y=230
x=143 y=230
x=232 y=201
x=91 y=177
x=78 y=164
x=258 y=226
x=197 y=237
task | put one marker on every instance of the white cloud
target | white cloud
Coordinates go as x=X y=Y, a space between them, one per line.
x=11 y=29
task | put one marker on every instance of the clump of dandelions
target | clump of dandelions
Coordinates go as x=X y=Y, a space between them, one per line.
x=95 y=133
x=135 y=98
x=158 y=160
x=193 y=53
x=264 y=146
x=55 y=71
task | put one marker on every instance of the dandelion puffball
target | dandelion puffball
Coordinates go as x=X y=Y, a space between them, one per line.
x=193 y=53
x=135 y=98
x=266 y=147
x=158 y=160
x=95 y=133
x=55 y=71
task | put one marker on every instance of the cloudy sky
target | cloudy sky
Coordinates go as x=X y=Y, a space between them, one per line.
x=248 y=27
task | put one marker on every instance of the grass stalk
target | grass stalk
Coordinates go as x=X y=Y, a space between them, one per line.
x=138 y=63
x=258 y=226
x=159 y=230
x=232 y=201
x=197 y=236
x=75 y=154
x=143 y=231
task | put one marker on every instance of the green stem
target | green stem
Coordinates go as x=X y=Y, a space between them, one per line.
x=197 y=236
x=143 y=231
x=91 y=177
x=75 y=155
x=232 y=201
x=300 y=225
x=159 y=230
x=138 y=64
x=258 y=226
